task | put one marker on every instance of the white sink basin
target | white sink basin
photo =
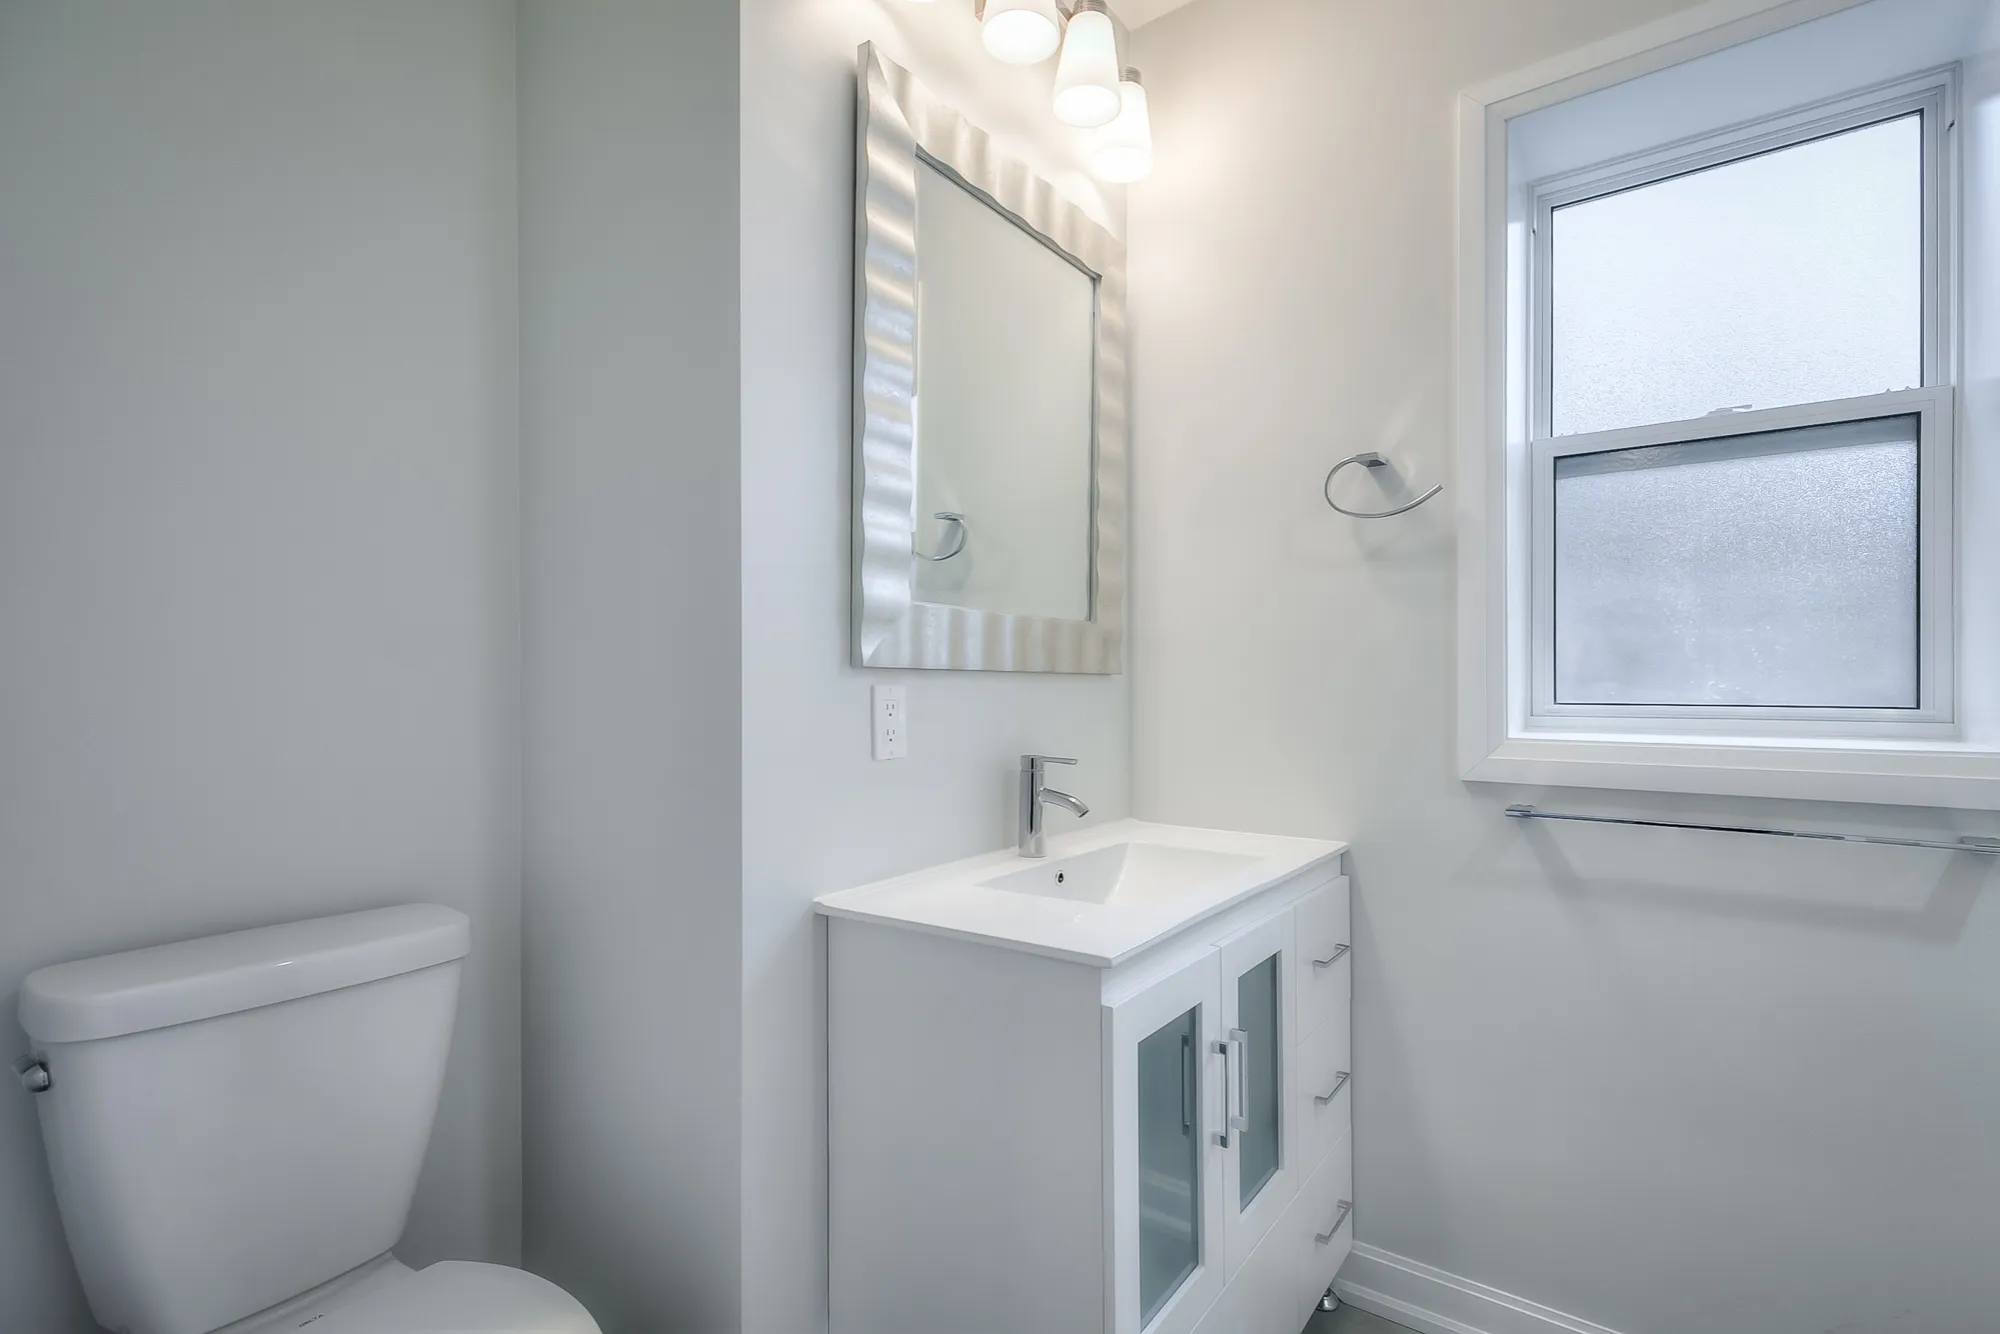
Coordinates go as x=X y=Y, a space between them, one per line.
x=1103 y=894
x=1125 y=873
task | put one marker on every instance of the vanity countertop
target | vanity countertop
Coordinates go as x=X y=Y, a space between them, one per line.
x=1100 y=896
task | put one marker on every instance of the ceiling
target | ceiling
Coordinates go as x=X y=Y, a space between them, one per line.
x=1137 y=13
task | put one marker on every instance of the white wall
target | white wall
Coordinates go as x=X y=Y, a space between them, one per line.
x=818 y=814
x=257 y=520
x=1661 y=1081
x=632 y=676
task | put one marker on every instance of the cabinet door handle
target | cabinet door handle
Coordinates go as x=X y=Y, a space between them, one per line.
x=1235 y=1092
x=1324 y=1098
x=1346 y=1208
x=1241 y=1039
x=1187 y=1083
x=1331 y=959
x=1228 y=1094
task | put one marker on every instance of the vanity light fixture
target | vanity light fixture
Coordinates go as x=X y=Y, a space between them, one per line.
x=1124 y=150
x=1087 y=93
x=1020 y=32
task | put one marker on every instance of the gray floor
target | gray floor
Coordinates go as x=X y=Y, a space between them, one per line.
x=1352 y=1320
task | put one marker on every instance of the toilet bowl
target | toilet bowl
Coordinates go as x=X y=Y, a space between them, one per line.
x=235 y=1126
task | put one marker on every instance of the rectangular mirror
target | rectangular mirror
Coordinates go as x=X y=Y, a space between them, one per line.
x=1006 y=333
x=989 y=403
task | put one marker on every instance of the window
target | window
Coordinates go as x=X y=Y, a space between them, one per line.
x=1791 y=276
x=1724 y=493
x=1763 y=570
x=1737 y=405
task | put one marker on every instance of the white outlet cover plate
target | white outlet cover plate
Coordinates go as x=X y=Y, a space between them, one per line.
x=892 y=721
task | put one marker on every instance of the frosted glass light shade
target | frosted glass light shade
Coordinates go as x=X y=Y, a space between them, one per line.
x=1087 y=75
x=1021 y=32
x=1124 y=150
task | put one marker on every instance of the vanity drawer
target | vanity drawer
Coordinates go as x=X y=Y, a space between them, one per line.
x=1323 y=1070
x=1323 y=1233
x=1326 y=965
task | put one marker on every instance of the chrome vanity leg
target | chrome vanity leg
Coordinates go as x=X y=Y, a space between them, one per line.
x=1327 y=1301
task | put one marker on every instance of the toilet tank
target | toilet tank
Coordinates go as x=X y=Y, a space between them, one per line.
x=233 y=1120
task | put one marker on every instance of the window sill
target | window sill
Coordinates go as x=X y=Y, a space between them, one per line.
x=1952 y=776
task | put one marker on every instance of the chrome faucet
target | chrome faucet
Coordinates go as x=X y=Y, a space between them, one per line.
x=1034 y=795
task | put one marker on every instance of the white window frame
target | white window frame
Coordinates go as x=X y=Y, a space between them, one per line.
x=1510 y=730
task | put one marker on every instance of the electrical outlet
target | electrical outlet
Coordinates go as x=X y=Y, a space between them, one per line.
x=892 y=722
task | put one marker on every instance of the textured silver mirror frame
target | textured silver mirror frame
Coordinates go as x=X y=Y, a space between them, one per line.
x=896 y=121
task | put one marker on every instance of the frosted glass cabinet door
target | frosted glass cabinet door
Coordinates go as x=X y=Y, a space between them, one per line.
x=1259 y=969
x=1165 y=1162
x=1169 y=1161
x=1262 y=1078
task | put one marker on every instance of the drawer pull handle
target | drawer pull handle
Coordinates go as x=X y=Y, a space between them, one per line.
x=1332 y=959
x=1346 y=1208
x=1324 y=1098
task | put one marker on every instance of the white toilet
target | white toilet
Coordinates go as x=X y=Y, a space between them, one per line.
x=235 y=1127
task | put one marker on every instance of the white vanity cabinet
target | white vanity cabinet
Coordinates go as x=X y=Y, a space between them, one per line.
x=1154 y=1142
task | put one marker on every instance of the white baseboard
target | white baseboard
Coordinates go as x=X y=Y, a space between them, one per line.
x=1434 y=1302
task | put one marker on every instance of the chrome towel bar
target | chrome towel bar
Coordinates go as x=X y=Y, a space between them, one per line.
x=1985 y=847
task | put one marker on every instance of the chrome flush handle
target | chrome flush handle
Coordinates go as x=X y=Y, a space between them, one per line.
x=33 y=1073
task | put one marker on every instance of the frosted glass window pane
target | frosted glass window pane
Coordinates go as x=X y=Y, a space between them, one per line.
x=1791 y=277
x=1770 y=569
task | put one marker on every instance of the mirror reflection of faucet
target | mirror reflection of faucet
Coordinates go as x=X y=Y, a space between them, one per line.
x=1030 y=840
x=956 y=540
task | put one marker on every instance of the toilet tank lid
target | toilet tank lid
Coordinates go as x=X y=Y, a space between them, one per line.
x=116 y=994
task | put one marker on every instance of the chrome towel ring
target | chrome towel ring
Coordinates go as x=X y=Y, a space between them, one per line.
x=1368 y=460
x=957 y=536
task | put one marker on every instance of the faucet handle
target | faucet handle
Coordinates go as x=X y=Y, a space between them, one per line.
x=1037 y=761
